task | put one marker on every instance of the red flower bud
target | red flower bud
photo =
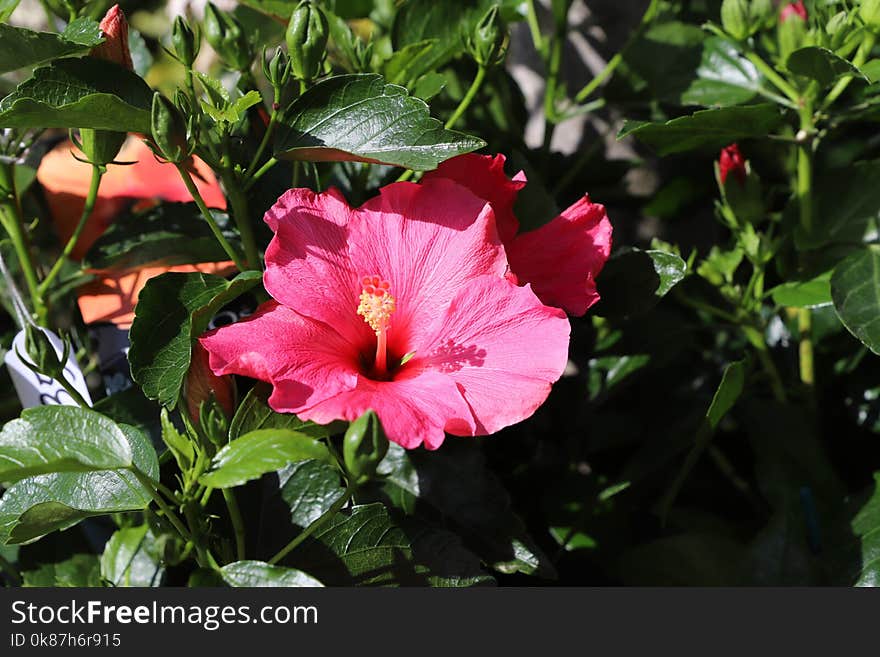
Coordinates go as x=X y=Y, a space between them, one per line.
x=201 y=383
x=732 y=161
x=793 y=9
x=115 y=46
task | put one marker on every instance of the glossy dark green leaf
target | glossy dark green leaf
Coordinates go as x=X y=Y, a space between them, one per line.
x=38 y=505
x=457 y=483
x=821 y=65
x=309 y=488
x=365 y=546
x=866 y=525
x=260 y=574
x=634 y=281
x=254 y=413
x=165 y=234
x=259 y=452
x=172 y=311
x=706 y=129
x=80 y=93
x=80 y=570
x=20 y=47
x=61 y=439
x=804 y=294
x=360 y=118
x=855 y=289
x=131 y=558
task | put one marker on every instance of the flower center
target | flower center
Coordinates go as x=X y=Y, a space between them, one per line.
x=376 y=307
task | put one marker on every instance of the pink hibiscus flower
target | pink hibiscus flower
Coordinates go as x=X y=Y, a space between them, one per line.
x=401 y=305
x=562 y=258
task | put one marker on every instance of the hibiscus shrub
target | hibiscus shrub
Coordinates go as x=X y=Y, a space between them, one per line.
x=293 y=296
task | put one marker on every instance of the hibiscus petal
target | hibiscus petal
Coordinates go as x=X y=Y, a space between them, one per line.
x=305 y=361
x=414 y=410
x=502 y=347
x=427 y=241
x=484 y=176
x=307 y=262
x=562 y=258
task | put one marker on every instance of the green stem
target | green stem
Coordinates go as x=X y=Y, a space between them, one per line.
x=860 y=57
x=805 y=206
x=468 y=97
x=150 y=486
x=773 y=76
x=271 y=162
x=270 y=129
x=73 y=392
x=616 y=60
x=308 y=531
x=13 y=223
x=237 y=523
x=91 y=199
x=535 y=27
x=206 y=213
x=553 y=66
x=241 y=215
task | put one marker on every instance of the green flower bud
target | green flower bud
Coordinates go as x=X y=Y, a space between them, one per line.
x=762 y=15
x=213 y=421
x=101 y=146
x=227 y=37
x=306 y=39
x=364 y=446
x=277 y=69
x=186 y=43
x=869 y=11
x=488 y=43
x=735 y=18
x=42 y=355
x=168 y=130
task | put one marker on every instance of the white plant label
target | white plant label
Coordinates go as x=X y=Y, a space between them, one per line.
x=36 y=389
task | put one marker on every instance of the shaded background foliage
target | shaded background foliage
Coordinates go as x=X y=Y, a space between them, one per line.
x=663 y=455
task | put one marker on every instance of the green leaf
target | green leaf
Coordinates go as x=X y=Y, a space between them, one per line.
x=173 y=310
x=259 y=574
x=77 y=571
x=131 y=558
x=38 y=505
x=20 y=47
x=259 y=452
x=360 y=118
x=811 y=293
x=866 y=525
x=681 y=65
x=820 y=64
x=456 y=482
x=445 y=21
x=309 y=488
x=706 y=129
x=847 y=205
x=634 y=281
x=855 y=289
x=365 y=546
x=61 y=439
x=80 y=93
x=254 y=413
x=165 y=234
